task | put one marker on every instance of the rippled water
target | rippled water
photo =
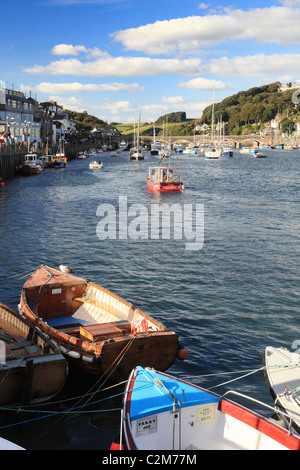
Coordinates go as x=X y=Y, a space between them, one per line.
x=227 y=301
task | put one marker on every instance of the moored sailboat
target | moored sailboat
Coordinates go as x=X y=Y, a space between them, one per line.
x=213 y=152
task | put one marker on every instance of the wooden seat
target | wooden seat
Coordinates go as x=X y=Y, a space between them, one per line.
x=105 y=330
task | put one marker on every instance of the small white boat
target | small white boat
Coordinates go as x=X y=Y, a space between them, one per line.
x=113 y=153
x=164 y=413
x=7 y=445
x=282 y=375
x=136 y=154
x=260 y=155
x=82 y=155
x=213 y=153
x=96 y=165
x=123 y=146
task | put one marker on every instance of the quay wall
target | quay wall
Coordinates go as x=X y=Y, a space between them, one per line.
x=12 y=156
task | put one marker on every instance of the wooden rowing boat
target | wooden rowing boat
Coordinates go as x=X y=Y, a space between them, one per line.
x=32 y=369
x=97 y=331
x=164 y=413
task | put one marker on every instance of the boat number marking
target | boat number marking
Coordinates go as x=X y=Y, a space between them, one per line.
x=206 y=413
x=147 y=424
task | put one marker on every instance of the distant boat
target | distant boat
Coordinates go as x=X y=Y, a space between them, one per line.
x=164 y=179
x=113 y=153
x=82 y=155
x=260 y=155
x=245 y=150
x=58 y=162
x=31 y=165
x=96 y=165
x=123 y=145
x=136 y=153
x=33 y=370
x=282 y=374
x=155 y=146
x=227 y=152
x=166 y=414
x=45 y=160
x=213 y=152
x=97 y=331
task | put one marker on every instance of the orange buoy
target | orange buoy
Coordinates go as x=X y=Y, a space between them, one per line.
x=182 y=353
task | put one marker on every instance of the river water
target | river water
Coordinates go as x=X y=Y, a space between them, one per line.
x=227 y=298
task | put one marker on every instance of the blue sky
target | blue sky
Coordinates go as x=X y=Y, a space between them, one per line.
x=116 y=58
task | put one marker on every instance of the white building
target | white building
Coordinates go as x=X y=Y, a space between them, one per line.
x=17 y=117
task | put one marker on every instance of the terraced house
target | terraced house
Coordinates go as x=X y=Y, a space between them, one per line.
x=17 y=119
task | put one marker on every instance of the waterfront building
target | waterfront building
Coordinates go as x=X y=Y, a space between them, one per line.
x=17 y=117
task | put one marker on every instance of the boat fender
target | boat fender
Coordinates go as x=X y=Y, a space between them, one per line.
x=74 y=354
x=63 y=349
x=90 y=359
x=182 y=352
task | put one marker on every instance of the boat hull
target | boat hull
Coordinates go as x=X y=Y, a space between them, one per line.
x=105 y=336
x=31 y=170
x=164 y=187
x=42 y=372
x=164 y=413
x=282 y=374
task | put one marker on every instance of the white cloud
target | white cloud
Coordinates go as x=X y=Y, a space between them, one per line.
x=173 y=100
x=69 y=49
x=76 y=87
x=277 y=25
x=203 y=6
x=205 y=84
x=119 y=67
x=259 y=64
x=70 y=102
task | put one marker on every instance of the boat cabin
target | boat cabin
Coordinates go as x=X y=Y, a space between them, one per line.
x=160 y=174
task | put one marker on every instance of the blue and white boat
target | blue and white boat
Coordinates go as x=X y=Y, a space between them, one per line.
x=227 y=152
x=164 y=413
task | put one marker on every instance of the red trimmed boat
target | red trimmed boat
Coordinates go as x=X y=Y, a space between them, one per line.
x=164 y=179
x=97 y=331
x=164 y=413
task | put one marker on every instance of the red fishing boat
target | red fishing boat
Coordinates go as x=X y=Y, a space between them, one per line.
x=164 y=179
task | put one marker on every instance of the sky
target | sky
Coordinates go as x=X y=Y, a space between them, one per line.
x=117 y=59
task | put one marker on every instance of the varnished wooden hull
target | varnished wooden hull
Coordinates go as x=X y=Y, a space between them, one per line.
x=119 y=357
x=32 y=370
x=108 y=336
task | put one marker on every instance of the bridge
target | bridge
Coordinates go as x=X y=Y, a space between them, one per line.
x=238 y=141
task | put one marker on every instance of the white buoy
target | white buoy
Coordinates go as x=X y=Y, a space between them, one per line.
x=65 y=269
